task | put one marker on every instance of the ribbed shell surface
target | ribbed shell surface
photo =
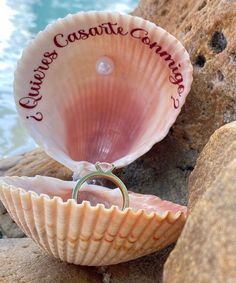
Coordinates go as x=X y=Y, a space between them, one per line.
x=86 y=235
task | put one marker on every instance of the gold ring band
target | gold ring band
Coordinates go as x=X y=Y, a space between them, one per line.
x=100 y=173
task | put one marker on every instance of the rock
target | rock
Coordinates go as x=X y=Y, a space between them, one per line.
x=163 y=171
x=23 y=261
x=9 y=228
x=147 y=269
x=2 y=209
x=37 y=162
x=207 y=30
x=7 y=163
x=206 y=249
x=217 y=154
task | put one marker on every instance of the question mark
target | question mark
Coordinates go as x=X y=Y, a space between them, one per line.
x=175 y=102
x=39 y=118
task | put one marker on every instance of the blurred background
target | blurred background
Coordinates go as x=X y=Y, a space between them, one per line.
x=20 y=21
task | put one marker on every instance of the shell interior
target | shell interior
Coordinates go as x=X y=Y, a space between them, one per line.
x=101 y=86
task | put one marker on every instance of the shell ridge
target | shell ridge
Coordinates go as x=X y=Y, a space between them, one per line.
x=67 y=228
x=78 y=251
x=157 y=223
x=98 y=259
x=26 y=207
x=171 y=234
x=38 y=212
x=138 y=245
x=61 y=229
x=12 y=196
x=23 y=224
x=91 y=210
x=87 y=252
x=50 y=211
x=126 y=240
x=78 y=232
x=125 y=215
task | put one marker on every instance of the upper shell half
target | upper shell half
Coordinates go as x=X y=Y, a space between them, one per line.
x=101 y=86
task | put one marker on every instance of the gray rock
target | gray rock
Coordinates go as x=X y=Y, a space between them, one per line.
x=147 y=269
x=2 y=209
x=9 y=228
x=163 y=171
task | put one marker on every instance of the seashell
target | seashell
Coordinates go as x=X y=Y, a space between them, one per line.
x=105 y=87
x=101 y=86
x=85 y=234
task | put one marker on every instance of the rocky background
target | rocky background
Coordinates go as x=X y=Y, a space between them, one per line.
x=206 y=249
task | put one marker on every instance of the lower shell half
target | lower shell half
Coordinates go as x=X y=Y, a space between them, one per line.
x=90 y=235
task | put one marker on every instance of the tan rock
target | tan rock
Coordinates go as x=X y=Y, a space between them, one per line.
x=207 y=30
x=23 y=261
x=206 y=249
x=7 y=163
x=216 y=155
x=37 y=162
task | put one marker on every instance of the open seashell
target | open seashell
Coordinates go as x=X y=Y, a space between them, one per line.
x=90 y=235
x=94 y=87
x=101 y=86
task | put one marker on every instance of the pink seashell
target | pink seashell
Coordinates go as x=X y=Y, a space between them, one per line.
x=90 y=235
x=101 y=86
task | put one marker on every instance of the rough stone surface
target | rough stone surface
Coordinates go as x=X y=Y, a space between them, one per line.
x=2 y=209
x=207 y=30
x=147 y=269
x=9 y=228
x=23 y=261
x=217 y=154
x=206 y=249
x=37 y=162
x=7 y=163
x=163 y=171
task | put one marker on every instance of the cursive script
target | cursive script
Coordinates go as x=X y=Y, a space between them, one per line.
x=61 y=40
x=31 y=100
